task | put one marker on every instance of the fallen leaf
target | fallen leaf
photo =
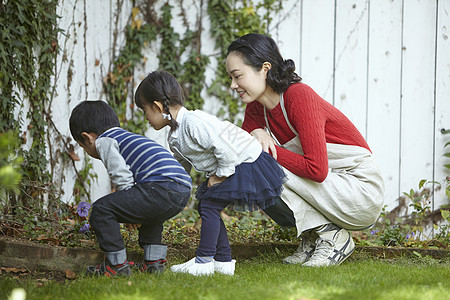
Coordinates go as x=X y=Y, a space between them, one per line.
x=24 y=136
x=225 y=216
x=87 y=242
x=70 y=274
x=48 y=239
x=13 y=270
x=72 y=154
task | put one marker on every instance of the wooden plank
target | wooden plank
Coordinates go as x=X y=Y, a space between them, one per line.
x=384 y=94
x=417 y=107
x=351 y=61
x=317 y=60
x=286 y=30
x=98 y=44
x=442 y=99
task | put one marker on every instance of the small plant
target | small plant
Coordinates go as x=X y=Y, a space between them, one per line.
x=9 y=162
x=409 y=230
x=83 y=210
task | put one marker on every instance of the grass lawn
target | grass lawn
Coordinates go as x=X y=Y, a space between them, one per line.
x=263 y=277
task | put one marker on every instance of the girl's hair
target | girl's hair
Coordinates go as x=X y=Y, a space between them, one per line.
x=92 y=117
x=256 y=49
x=163 y=87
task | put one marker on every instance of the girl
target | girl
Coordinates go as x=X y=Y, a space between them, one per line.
x=237 y=169
x=334 y=184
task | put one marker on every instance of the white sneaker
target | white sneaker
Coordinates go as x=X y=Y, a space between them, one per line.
x=305 y=249
x=332 y=247
x=194 y=268
x=226 y=267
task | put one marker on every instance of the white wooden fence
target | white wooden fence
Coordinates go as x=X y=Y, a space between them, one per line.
x=384 y=63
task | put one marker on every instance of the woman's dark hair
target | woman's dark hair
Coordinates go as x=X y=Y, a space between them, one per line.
x=92 y=117
x=163 y=87
x=256 y=49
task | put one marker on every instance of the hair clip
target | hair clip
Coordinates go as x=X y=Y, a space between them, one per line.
x=167 y=116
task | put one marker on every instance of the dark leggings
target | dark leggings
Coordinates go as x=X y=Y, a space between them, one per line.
x=281 y=213
x=213 y=237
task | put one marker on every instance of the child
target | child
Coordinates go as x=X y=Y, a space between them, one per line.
x=237 y=169
x=152 y=188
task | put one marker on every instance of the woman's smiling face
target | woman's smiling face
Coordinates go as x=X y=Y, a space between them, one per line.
x=249 y=83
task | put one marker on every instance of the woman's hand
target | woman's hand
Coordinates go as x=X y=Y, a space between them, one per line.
x=266 y=141
x=213 y=180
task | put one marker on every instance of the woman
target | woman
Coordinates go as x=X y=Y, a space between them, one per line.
x=334 y=183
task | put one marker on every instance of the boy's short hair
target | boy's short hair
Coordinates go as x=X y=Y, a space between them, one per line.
x=92 y=117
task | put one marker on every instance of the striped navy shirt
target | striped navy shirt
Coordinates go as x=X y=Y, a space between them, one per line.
x=145 y=158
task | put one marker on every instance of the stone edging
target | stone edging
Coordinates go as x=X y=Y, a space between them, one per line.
x=32 y=256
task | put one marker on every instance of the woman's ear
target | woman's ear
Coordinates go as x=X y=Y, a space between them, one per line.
x=266 y=66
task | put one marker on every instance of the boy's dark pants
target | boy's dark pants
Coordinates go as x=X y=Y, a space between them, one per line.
x=149 y=204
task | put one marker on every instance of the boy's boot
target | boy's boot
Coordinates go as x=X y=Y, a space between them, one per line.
x=107 y=269
x=115 y=264
x=305 y=249
x=333 y=246
x=154 y=259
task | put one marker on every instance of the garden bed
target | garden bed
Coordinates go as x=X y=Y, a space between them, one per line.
x=31 y=256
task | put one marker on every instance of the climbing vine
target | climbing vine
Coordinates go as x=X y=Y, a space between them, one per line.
x=119 y=81
x=230 y=20
x=28 y=53
x=145 y=26
x=191 y=73
x=181 y=53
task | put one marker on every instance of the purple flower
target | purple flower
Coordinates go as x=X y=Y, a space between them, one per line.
x=85 y=228
x=373 y=232
x=83 y=209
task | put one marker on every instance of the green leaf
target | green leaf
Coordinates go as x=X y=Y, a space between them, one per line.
x=421 y=183
x=445 y=214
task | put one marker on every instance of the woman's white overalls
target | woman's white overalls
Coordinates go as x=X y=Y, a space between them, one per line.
x=351 y=196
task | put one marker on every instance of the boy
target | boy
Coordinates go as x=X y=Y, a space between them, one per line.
x=152 y=188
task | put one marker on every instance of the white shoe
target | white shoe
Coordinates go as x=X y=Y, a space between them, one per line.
x=332 y=247
x=194 y=268
x=305 y=249
x=226 y=267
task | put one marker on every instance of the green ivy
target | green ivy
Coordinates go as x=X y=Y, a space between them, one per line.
x=230 y=20
x=191 y=73
x=119 y=82
x=9 y=163
x=84 y=179
x=28 y=54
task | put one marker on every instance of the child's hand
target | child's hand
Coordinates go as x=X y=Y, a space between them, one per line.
x=213 y=180
x=130 y=226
